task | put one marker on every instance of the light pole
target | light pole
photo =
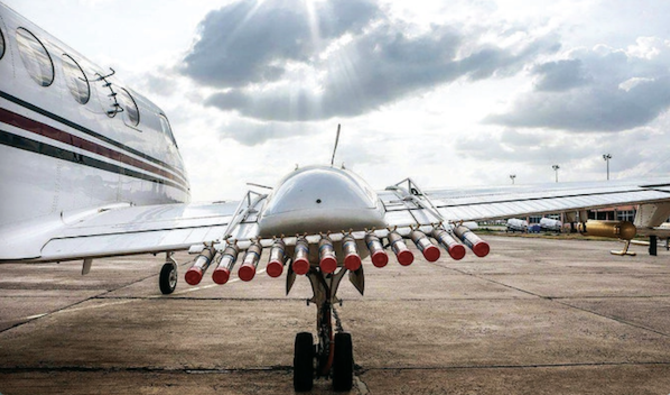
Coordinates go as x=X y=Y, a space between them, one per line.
x=607 y=158
x=556 y=167
x=512 y=176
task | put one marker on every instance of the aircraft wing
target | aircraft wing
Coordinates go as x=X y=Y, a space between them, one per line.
x=118 y=229
x=122 y=229
x=407 y=205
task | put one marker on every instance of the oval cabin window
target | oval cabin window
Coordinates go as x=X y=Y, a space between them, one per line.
x=76 y=80
x=2 y=45
x=129 y=106
x=35 y=57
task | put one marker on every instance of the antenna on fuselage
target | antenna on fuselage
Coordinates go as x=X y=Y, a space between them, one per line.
x=337 y=139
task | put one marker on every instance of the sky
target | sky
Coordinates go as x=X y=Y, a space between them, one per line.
x=449 y=93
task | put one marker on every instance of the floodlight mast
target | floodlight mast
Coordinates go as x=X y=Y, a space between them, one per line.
x=556 y=167
x=607 y=158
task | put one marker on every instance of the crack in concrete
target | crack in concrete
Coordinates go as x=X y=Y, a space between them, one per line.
x=558 y=301
x=67 y=307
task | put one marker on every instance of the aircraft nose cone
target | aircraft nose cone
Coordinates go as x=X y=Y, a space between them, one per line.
x=275 y=269
x=457 y=252
x=405 y=257
x=221 y=276
x=328 y=264
x=481 y=249
x=431 y=253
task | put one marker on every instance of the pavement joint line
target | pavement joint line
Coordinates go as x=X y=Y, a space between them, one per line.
x=608 y=297
x=283 y=368
x=193 y=289
x=124 y=300
x=619 y=320
x=302 y=300
x=530 y=366
x=553 y=299
x=32 y=318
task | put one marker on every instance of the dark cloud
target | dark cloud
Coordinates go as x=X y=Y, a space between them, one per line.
x=269 y=67
x=599 y=90
x=376 y=69
x=251 y=133
x=561 y=75
x=250 y=42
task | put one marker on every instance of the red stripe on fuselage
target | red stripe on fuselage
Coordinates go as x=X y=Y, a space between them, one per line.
x=30 y=125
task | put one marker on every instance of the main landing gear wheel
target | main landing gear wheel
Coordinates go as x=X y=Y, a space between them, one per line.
x=167 y=280
x=303 y=362
x=343 y=362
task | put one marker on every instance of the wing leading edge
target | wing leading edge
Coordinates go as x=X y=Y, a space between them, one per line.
x=115 y=230
x=473 y=204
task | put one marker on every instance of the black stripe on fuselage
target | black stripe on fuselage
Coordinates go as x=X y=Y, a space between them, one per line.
x=89 y=132
x=20 y=142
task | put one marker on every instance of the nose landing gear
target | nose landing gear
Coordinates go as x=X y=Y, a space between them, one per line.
x=333 y=355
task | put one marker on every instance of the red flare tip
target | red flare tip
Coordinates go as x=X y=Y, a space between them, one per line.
x=431 y=253
x=301 y=266
x=352 y=262
x=221 y=276
x=328 y=264
x=275 y=269
x=380 y=259
x=481 y=249
x=457 y=252
x=405 y=257
x=246 y=272
x=193 y=276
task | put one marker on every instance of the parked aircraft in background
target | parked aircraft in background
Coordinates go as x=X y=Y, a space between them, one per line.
x=89 y=168
x=517 y=225
x=552 y=225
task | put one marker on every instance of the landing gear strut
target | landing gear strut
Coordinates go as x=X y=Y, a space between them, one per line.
x=333 y=355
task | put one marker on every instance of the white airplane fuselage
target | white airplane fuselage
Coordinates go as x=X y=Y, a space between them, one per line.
x=72 y=140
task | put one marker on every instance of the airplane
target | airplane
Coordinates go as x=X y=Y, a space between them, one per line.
x=89 y=168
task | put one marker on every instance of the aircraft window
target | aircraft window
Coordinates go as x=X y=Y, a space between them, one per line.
x=35 y=57
x=76 y=80
x=129 y=106
x=2 y=45
x=165 y=125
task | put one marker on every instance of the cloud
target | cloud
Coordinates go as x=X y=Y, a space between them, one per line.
x=269 y=63
x=251 y=133
x=560 y=75
x=531 y=153
x=250 y=42
x=596 y=90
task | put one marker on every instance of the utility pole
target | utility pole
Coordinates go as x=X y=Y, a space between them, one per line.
x=607 y=158
x=512 y=176
x=556 y=167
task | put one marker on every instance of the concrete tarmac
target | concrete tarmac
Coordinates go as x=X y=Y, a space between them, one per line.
x=536 y=316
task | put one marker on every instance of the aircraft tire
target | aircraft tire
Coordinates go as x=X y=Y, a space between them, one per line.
x=343 y=363
x=167 y=280
x=303 y=362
